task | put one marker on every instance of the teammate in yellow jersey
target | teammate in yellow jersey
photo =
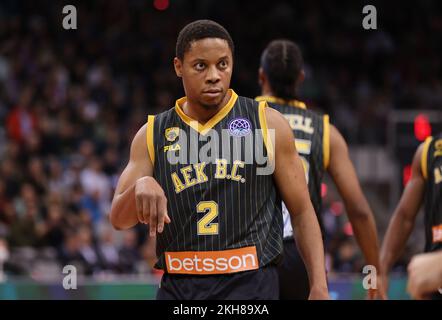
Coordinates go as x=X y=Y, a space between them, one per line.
x=425 y=186
x=217 y=238
x=322 y=148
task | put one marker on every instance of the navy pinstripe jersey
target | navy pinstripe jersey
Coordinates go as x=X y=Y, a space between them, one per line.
x=216 y=198
x=431 y=165
x=311 y=131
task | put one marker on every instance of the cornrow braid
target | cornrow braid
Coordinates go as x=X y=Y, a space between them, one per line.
x=282 y=63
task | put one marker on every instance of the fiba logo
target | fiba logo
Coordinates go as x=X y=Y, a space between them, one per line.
x=240 y=127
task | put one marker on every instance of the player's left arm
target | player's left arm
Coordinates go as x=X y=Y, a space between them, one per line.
x=404 y=216
x=344 y=176
x=290 y=180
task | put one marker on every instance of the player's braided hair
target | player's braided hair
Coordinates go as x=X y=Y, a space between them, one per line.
x=282 y=62
x=198 y=30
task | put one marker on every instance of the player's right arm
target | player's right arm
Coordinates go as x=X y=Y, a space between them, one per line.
x=404 y=216
x=138 y=196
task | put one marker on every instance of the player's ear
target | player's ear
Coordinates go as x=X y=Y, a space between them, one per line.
x=261 y=77
x=301 y=77
x=178 y=67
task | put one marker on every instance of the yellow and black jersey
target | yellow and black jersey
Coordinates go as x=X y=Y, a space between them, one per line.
x=311 y=131
x=431 y=165
x=218 y=199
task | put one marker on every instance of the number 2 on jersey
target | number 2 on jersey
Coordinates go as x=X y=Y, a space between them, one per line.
x=205 y=224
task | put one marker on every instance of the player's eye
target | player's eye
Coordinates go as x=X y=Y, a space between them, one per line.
x=223 y=64
x=199 y=66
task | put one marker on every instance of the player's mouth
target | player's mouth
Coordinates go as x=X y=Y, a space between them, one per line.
x=212 y=93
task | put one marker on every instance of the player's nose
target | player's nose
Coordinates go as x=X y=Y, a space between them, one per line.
x=213 y=75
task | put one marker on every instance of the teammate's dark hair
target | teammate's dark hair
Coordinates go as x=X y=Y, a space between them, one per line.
x=198 y=30
x=282 y=64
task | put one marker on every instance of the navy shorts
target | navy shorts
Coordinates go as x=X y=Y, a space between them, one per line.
x=293 y=277
x=261 y=284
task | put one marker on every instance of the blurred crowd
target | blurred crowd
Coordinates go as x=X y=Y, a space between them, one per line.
x=72 y=100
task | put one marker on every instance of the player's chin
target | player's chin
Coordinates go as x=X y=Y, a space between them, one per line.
x=212 y=100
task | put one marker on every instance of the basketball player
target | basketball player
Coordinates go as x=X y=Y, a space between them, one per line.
x=425 y=274
x=218 y=236
x=425 y=185
x=321 y=148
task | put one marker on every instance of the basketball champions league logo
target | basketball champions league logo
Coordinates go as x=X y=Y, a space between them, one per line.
x=240 y=127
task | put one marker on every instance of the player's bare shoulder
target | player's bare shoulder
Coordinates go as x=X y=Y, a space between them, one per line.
x=274 y=118
x=277 y=122
x=138 y=148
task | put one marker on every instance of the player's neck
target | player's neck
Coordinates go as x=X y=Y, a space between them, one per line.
x=203 y=114
x=266 y=91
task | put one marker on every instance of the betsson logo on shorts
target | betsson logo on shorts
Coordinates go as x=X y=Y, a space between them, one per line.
x=212 y=262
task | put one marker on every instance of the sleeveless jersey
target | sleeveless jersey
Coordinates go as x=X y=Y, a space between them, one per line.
x=311 y=131
x=218 y=198
x=431 y=165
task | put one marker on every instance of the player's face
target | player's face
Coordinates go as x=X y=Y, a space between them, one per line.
x=206 y=70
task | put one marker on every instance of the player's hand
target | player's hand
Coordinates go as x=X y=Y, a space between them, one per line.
x=151 y=204
x=380 y=292
x=424 y=275
x=319 y=294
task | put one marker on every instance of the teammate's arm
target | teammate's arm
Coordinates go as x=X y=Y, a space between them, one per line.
x=425 y=274
x=138 y=197
x=404 y=216
x=290 y=180
x=342 y=172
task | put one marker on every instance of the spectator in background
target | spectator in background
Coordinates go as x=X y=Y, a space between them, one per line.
x=53 y=230
x=36 y=176
x=12 y=177
x=108 y=251
x=21 y=123
x=3 y=202
x=148 y=252
x=90 y=207
x=69 y=253
x=23 y=227
x=4 y=255
x=346 y=258
x=129 y=253
x=88 y=252
x=55 y=182
x=97 y=188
